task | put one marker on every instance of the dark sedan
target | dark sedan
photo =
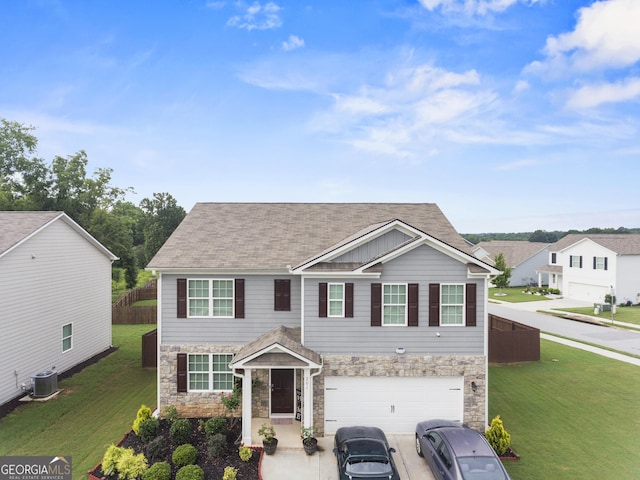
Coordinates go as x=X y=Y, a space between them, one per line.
x=457 y=452
x=364 y=453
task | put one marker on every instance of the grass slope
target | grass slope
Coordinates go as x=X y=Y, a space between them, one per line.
x=96 y=408
x=514 y=295
x=573 y=415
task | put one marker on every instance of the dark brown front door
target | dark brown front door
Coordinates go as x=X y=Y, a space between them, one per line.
x=282 y=391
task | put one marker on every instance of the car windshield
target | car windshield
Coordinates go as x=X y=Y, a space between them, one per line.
x=481 y=468
x=368 y=466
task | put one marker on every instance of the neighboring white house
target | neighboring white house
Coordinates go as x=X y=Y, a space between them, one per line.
x=55 y=297
x=590 y=266
x=524 y=258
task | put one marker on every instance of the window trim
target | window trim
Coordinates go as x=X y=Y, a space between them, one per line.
x=463 y=305
x=600 y=266
x=211 y=299
x=579 y=261
x=405 y=305
x=342 y=300
x=210 y=372
x=69 y=337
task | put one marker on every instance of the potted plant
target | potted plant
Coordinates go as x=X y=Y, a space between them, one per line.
x=269 y=440
x=309 y=442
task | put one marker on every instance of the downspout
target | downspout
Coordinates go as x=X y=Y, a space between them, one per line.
x=486 y=350
x=159 y=335
x=302 y=309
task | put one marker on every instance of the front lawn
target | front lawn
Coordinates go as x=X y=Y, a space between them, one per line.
x=96 y=408
x=514 y=295
x=623 y=314
x=572 y=415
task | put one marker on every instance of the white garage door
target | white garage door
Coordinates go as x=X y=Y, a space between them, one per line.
x=586 y=292
x=395 y=404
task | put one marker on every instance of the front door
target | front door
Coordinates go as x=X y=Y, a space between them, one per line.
x=282 y=391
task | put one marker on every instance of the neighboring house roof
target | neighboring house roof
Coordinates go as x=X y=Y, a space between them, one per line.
x=18 y=226
x=515 y=251
x=281 y=235
x=621 y=243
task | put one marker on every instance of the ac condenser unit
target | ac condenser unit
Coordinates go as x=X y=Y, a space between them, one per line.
x=44 y=384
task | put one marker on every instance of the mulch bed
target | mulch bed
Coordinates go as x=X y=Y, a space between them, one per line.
x=213 y=467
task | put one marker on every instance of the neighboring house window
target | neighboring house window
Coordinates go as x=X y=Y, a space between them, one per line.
x=600 y=263
x=554 y=258
x=223 y=298
x=452 y=304
x=553 y=278
x=394 y=304
x=282 y=295
x=575 y=261
x=67 y=337
x=210 y=372
x=336 y=299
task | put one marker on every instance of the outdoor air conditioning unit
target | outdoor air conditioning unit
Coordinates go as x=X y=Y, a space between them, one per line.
x=44 y=384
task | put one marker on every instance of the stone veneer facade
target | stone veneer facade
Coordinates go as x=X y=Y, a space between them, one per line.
x=207 y=404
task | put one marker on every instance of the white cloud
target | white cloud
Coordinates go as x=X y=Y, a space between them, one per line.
x=594 y=95
x=292 y=43
x=258 y=17
x=472 y=7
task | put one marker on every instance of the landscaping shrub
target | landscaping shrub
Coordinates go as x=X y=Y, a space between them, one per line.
x=130 y=465
x=144 y=412
x=217 y=444
x=158 y=471
x=497 y=436
x=156 y=449
x=245 y=453
x=185 y=454
x=180 y=431
x=190 y=472
x=110 y=459
x=148 y=429
x=215 y=425
x=170 y=413
x=230 y=473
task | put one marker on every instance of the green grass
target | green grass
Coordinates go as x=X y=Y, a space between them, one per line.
x=514 y=294
x=145 y=303
x=623 y=314
x=96 y=408
x=572 y=415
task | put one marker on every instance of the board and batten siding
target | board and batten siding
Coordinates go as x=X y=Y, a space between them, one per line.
x=423 y=265
x=54 y=278
x=383 y=243
x=259 y=313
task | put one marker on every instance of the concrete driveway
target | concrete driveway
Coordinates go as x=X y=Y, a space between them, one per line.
x=293 y=463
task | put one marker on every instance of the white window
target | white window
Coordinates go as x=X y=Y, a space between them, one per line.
x=336 y=299
x=210 y=372
x=394 y=304
x=67 y=337
x=210 y=298
x=452 y=304
x=575 y=261
x=600 y=263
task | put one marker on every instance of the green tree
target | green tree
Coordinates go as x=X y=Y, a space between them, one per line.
x=502 y=280
x=162 y=215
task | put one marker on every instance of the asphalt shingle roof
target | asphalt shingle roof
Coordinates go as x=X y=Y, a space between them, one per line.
x=620 y=243
x=16 y=226
x=515 y=251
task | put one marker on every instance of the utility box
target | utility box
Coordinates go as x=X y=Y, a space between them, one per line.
x=44 y=384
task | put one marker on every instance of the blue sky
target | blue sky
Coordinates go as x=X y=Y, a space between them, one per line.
x=511 y=115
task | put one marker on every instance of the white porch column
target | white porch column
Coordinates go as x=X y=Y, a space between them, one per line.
x=307 y=399
x=540 y=279
x=246 y=407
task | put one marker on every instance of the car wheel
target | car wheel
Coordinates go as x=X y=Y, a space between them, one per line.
x=418 y=446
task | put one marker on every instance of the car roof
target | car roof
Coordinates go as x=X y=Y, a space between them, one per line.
x=349 y=433
x=466 y=442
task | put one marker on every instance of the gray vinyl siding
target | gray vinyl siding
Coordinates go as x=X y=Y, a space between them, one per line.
x=422 y=265
x=259 y=317
x=54 y=278
x=375 y=247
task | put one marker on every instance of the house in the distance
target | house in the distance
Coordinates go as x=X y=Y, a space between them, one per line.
x=330 y=314
x=589 y=266
x=524 y=258
x=55 y=298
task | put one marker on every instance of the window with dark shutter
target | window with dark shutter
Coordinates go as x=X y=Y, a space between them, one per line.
x=239 y=298
x=376 y=304
x=322 y=299
x=181 y=292
x=182 y=372
x=434 y=305
x=553 y=258
x=606 y=263
x=412 y=297
x=282 y=295
x=348 y=300
x=470 y=305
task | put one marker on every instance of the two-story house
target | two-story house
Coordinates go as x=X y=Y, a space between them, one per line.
x=335 y=314
x=589 y=266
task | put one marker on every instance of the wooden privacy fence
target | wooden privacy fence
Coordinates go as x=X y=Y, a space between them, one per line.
x=122 y=313
x=511 y=342
x=150 y=349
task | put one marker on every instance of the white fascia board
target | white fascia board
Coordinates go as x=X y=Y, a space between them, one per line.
x=278 y=348
x=340 y=274
x=219 y=271
x=588 y=240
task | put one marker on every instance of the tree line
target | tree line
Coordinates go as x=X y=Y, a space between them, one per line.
x=132 y=232
x=540 y=235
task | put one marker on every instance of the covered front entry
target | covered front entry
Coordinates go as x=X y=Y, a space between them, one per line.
x=283 y=392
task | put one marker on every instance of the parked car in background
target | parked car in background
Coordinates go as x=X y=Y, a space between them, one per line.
x=457 y=452
x=364 y=453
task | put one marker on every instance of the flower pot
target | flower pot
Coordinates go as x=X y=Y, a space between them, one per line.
x=310 y=445
x=270 y=446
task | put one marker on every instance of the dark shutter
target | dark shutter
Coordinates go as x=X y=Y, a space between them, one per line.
x=606 y=266
x=348 y=300
x=182 y=372
x=434 y=304
x=322 y=299
x=594 y=262
x=376 y=304
x=239 y=298
x=470 y=305
x=553 y=258
x=580 y=261
x=182 y=297
x=282 y=295
x=413 y=305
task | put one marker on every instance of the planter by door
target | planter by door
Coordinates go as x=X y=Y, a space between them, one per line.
x=270 y=447
x=310 y=446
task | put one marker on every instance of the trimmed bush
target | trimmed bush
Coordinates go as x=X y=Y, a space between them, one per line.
x=156 y=449
x=216 y=445
x=110 y=459
x=144 y=412
x=230 y=473
x=190 y=472
x=497 y=436
x=185 y=454
x=215 y=425
x=245 y=453
x=170 y=413
x=180 y=431
x=158 y=471
x=130 y=465
x=148 y=429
